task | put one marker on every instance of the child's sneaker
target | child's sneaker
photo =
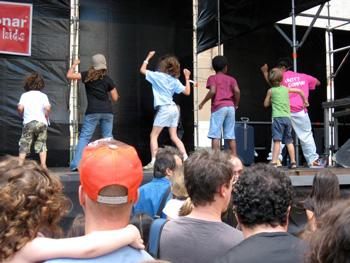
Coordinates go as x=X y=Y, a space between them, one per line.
x=149 y=166
x=318 y=163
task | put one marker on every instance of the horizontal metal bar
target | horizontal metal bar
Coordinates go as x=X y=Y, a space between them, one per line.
x=344 y=24
x=326 y=17
x=339 y=49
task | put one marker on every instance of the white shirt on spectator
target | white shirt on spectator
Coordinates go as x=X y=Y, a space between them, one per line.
x=172 y=208
x=34 y=103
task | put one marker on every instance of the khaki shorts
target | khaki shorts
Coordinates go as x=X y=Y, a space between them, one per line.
x=30 y=130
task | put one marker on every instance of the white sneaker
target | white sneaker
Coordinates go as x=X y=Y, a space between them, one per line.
x=149 y=166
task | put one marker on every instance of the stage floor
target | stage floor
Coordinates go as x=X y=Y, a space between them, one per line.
x=299 y=176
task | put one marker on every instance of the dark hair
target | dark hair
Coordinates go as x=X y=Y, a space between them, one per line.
x=325 y=191
x=77 y=227
x=285 y=62
x=94 y=74
x=143 y=222
x=170 y=65
x=34 y=82
x=204 y=173
x=165 y=159
x=262 y=195
x=275 y=77
x=330 y=243
x=219 y=63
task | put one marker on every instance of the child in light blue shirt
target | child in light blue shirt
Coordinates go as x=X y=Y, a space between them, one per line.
x=165 y=83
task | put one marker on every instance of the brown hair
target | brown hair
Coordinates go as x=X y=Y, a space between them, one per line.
x=34 y=82
x=205 y=172
x=94 y=74
x=330 y=243
x=31 y=201
x=186 y=208
x=169 y=65
x=275 y=77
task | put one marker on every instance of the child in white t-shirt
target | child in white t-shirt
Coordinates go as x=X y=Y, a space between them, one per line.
x=34 y=107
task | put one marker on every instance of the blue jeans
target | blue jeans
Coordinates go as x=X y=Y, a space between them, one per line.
x=88 y=129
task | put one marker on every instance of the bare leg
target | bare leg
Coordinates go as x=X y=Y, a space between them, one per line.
x=21 y=158
x=215 y=144
x=276 y=151
x=156 y=130
x=233 y=147
x=177 y=141
x=42 y=156
x=291 y=152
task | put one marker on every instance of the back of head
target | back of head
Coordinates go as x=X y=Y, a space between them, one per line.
x=110 y=175
x=165 y=159
x=143 y=222
x=98 y=69
x=219 y=63
x=178 y=187
x=34 y=82
x=31 y=201
x=170 y=65
x=275 y=77
x=262 y=195
x=205 y=172
x=284 y=63
x=330 y=243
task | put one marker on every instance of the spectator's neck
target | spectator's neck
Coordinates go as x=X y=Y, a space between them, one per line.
x=207 y=212
x=251 y=231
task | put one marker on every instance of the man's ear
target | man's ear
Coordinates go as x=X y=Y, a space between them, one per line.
x=223 y=190
x=169 y=172
x=82 y=198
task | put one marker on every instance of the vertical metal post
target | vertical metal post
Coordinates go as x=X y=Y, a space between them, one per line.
x=328 y=119
x=219 y=28
x=294 y=55
x=195 y=72
x=73 y=96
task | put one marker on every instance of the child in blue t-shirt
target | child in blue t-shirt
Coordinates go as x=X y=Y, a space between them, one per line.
x=164 y=84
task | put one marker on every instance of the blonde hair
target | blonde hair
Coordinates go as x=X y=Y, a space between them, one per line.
x=186 y=208
x=178 y=187
x=31 y=201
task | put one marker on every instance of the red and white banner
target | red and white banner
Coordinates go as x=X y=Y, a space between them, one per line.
x=15 y=28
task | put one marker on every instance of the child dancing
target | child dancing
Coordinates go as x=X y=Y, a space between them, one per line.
x=278 y=96
x=164 y=84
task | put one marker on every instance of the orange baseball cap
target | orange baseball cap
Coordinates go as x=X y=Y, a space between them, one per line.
x=109 y=162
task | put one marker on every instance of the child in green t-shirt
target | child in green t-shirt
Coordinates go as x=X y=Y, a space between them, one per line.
x=278 y=96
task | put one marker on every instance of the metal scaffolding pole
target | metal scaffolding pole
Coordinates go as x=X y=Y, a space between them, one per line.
x=73 y=85
x=219 y=28
x=195 y=72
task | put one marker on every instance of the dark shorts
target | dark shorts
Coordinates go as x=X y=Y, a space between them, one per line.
x=282 y=130
x=30 y=130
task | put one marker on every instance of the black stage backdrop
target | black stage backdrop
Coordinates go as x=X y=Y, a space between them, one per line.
x=247 y=53
x=241 y=16
x=122 y=30
x=50 y=54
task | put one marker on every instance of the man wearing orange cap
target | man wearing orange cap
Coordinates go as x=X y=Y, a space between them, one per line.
x=110 y=175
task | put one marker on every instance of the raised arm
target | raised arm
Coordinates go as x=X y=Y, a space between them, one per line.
x=210 y=94
x=89 y=246
x=265 y=71
x=267 y=101
x=187 y=75
x=145 y=62
x=301 y=93
x=71 y=75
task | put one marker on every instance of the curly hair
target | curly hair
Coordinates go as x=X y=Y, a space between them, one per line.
x=205 y=172
x=219 y=63
x=170 y=65
x=34 y=82
x=31 y=201
x=94 y=74
x=262 y=195
x=330 y=243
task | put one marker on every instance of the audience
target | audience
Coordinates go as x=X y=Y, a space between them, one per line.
x=179 y=195
x=330 y=243
x=151 y=195
x=143 y=223
x=31 y=205
x=77 y=229
x=201 y=236
x=262 y=198
x=110 y=174
x=324 y=194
